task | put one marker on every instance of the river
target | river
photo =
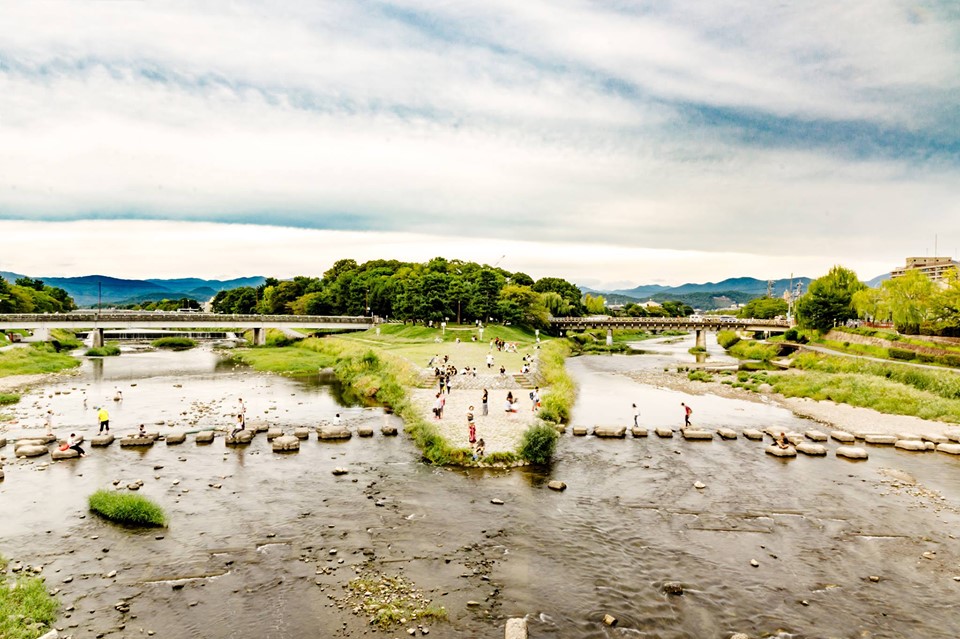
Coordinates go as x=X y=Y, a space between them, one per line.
x=255 y=556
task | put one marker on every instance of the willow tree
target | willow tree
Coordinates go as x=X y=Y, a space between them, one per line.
x=829 y=300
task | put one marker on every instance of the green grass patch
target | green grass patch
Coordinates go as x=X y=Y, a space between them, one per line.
x=27 y=610
x=174 y=343
x=67 y=340
x=727 y=339
x=557 y=402
x=388 y=601
x=35 y=359
x=697 y=350
x=944 y=384
x=8 y=398
x=107 y=350
x=699 y=376
x=749 y=349
x=539 y=443
x=123 y=508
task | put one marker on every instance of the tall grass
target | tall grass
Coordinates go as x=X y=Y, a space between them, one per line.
x=749 y=349
x=135 y=510
x=557 y=401
x=944 y=384
x=727 y=339
x=8 y=398
x=27 y=610
x=107 y=350
x=174 y=343
x=68 y=341
x=37 y=358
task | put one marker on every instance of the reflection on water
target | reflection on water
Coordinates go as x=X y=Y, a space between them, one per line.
x=629 y=521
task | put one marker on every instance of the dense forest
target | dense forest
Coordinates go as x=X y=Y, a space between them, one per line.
x=28 y=295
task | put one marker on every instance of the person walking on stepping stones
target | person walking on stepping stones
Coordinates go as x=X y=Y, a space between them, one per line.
x=636 y=416
x=104 y=418
x=471 y=427
x=687 y=411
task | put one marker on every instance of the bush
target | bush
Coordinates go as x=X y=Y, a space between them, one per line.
x=754 y=350
x=900 y=353
x=103 y=351
x=174 y=343
x=699 y=376
x=727 y=339
x=135 y=510
x=539 y=443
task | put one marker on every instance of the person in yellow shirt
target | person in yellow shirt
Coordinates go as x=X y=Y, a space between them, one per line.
x=104 y=418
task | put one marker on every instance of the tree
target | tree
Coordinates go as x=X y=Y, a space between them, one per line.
x=567 y=291
x=829 y=300
x=523 y=306
x=27 y=282
x=764 y=308
x=594 y=305
x=909 y=299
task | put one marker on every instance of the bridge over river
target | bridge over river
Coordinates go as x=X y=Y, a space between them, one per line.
x=96 y=322
x=699 y=325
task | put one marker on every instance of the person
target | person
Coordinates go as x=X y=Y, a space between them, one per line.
x=74 y=443
x=336 y=419
x=104 y=418
x=478 y=450
x=240 y=426
x=484 y=406
x=142 y=432
x=489 y=360
x=471 y=427
x=636 y=416
x=48 y=422
x=781 y=441
x=242 y=412
x=118 y=395
x=503 y=371
x=687 y=411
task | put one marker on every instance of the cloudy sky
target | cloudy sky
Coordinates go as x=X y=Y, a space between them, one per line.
x=609 y=142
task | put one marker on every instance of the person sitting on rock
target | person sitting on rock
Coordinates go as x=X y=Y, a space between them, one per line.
x=478 y=450
x=781 y=441
x=143 y=431
x=240 y=426
x=74 y=443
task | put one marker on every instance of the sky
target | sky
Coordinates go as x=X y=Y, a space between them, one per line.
x=611 y=143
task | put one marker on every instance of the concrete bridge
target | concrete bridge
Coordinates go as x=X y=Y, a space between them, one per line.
x=96 y=322
x=700 y=326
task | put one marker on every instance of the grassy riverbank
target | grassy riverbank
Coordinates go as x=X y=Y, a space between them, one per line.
x=35 y=359
x=27 y=610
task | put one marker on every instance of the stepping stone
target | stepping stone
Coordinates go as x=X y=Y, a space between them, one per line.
x=953 y=435
x=204 y=437
x=333 y=432
x=950 y=449
x=843 y=436
x=911 y=444
x=579 y=431
x=691 y=434
x=29 y=442
x=133 y=442
x=816 y=436
x=773 y=432
x=808 y=448
x=753 y=434
x=273 y=433
x=851 y=452
x=176 y=438
x=795 y=438
x=286 y=444
x=243 y=437
x=934 y=437
x=339 y=470
x=30 y=450
x=364 y=431
x=259 y=427
x=885 y=440
x=388 y=431
x=637 y=431
x=64 y=454
x=727 y=433
x=862 y=434
x=610 y=431
x=664 y=432
x=557 y=485
x=301 y=433
x=101 y=440
x=908 y=436
x=776 y=451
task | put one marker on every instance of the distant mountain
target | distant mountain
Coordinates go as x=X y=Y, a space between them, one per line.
x=88 y=290
x=708 y=295
x=878 y=280
x=643 y=292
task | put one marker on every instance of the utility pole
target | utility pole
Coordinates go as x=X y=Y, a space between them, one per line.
x=99 y=295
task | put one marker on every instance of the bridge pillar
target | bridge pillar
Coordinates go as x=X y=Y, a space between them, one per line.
x=609 y=337
x=41 y=334
x=701 y=338
x=259 y=337
x=96 y=336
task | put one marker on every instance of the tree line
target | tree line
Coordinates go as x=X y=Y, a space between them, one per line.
x=28 y=295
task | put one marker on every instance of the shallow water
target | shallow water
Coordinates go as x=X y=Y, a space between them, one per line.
x=247 y=554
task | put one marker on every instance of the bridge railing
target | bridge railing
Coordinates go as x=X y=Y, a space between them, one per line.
x=180 y=318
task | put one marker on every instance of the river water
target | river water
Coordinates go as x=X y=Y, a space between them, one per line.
x=255 y=556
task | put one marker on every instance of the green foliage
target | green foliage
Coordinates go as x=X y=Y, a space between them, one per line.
x=33 y=296
x=174 y=343
x=389 y=600
x=900 y=353
x=749 y=349
x=829 y=300
x=67 y=340
x=538 y=443
x=699 y=376
x=696 y=350
x=523 y=306
x=38 y=358
x=764 y=308
x=944 y=384
x=501 y=457
x=107 y=350
x=8 y=398
x=27 y=610
x=123 y=508
x=594 y=305
x=727 y=339
x=793 y=335
x=557 y=401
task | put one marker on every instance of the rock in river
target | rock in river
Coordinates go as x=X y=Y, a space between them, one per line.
x=851 y=452
x=286 y=443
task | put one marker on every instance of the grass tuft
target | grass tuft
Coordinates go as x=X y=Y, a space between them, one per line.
x=108 y=350
x=174 y=343
x=27 y=610
x=135 y=510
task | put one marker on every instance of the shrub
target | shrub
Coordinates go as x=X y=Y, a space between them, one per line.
x=900 y=353
x=135 y=510
x=103 y=351
x=538 y=443
x=696 y=350
x=699 y=376
x=727 y=339
x=174 y=343
x=754 y=350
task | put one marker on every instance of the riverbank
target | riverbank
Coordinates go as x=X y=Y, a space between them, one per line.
x=831 y=414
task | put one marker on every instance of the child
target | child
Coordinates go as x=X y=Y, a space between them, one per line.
x=478 y=450
x=471 y=427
